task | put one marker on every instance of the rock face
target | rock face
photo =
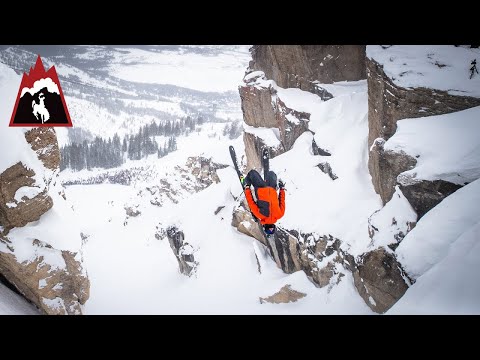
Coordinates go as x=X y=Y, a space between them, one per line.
x=263 y=108
x=44 y=142
x=285 y=295
x=55 y=290
x=183 y=251
x=388 y=103
x=379 y=280
x=52 y=279
x=301 y=66
x=425 y=195
x=17 y=213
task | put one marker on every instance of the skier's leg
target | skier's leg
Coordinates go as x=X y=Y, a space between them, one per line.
x=272 y=179
x=255 y=179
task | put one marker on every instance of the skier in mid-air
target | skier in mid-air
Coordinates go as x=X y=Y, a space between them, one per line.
x=269 y=206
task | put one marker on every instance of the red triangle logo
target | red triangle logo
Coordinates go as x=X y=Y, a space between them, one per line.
x=40 y=100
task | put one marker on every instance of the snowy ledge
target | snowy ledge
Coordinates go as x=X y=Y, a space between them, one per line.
x=270 y=136
x=442 y=67
x=446 y=147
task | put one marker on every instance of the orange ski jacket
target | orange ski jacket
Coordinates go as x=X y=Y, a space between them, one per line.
x=269 y=207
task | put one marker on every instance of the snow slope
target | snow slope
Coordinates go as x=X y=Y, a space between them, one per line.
x=13 y=304
x=128 y=264
x=443 y=254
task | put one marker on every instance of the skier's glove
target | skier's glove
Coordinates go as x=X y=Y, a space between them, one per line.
x=281 y=184
x=245 y=182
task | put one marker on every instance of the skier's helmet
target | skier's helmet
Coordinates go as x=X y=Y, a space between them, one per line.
x=269 y=229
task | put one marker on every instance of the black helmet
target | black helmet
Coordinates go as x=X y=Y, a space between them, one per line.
x=269 y=229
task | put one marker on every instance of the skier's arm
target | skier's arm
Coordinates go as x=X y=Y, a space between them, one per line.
x=253 y=205
x=281 y=201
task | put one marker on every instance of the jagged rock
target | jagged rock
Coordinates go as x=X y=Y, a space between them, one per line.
x=204 y=170
x=327 y=169
x=285 y=295
x=291 y=124
x=262 y=107
x=183 y=251
x=425 y=195
x=388 y=103
x=285 y=250
x=385 y=168
x=43 y=141
x=253 y=149
x=321 y=92
x=301 y=66
x=243 y=221
x=257 y=107
x=56 y=287
x=18 y=212
x=318 y=150
x=132 y=212
x=291 y=251
x=379 y=279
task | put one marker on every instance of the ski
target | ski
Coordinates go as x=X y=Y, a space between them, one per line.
x=235 y=163
x=265 y=162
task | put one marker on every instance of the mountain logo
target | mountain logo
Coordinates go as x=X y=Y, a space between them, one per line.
x=40 y=100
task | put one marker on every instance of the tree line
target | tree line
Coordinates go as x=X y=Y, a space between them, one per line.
x=106 y=154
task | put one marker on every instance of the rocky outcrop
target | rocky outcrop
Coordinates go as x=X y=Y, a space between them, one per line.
x=318 y=256
x=43 y=141
x=285 y=295
x=17 y=210
x=244 y=222
x=262 y=108
x=379 y=279
x=425 y=195
x=388 y=103
x=22 y=198
x=204 y=170
x=327 y=169
x=253 y=149
x=290 y=66
x=56 y=287
x=183 y=251
x=132 y=211
x=53 y=279
x=303 y=66
x=385 y=166
x=377 y=275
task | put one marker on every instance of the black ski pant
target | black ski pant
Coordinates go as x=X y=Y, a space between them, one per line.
x=254 y=178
